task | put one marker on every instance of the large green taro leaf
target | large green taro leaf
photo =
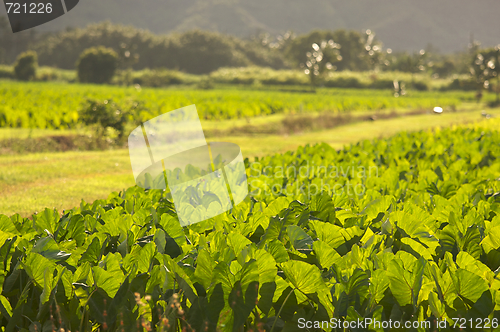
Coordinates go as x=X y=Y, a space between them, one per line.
x=303 y=276
x=469 y=285
x=405 y=284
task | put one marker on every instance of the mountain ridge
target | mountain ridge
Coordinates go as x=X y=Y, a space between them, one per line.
x=400 y=24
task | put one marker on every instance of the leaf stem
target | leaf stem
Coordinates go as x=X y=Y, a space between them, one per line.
x=281 y=308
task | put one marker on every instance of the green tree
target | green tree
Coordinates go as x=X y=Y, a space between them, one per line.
x=128 y=56
x=11 y=45
x=493 y=56
x=484 y=67
x=4 y=39
x=444 y=68
x=97 y=65
x=107 y=119
x=193 y=51
x=319 y=60
x=352 y=49
x=63 y=49
x=279 y=42
x=202 y=52
x=266 y=51
x=410 y=63
x=373 y=50
x=26 y=65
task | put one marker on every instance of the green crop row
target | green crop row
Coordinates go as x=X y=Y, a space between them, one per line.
x=338 y=79
x=264 y=76
x=405 y=229
x=53 y=105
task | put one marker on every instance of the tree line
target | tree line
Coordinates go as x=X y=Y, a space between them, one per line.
x=201 y=52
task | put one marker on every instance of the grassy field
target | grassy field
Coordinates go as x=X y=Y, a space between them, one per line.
x=29 y=183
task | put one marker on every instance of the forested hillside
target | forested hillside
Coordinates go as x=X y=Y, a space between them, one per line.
x=403 y=25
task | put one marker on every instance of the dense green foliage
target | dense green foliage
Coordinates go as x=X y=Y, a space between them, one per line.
x=97 y=65
x=6 y=72
x=202 y=52
x=11 y=45
x=352 y=49
x=26 y=65
x=192 y=52
x=164 y=60
x=405 y=229
x=155 y=78
x=242 y=18
x=56 y=105
x=485 y=68
x=105 y=116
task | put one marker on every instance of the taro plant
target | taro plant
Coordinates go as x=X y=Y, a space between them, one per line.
x=418 y=242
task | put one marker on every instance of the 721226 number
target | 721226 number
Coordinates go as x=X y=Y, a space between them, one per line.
x=32 y=8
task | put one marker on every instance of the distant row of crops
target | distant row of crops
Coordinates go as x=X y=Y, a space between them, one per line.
x=259 y=76
x=52 y=105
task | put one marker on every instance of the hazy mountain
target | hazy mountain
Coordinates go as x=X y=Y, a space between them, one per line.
x=400 y=24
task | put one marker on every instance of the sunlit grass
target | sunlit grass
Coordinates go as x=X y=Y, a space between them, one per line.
x=29 y=183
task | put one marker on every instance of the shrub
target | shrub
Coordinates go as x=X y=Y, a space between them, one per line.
x=382 y=84
x=110 y=121
x=26 y=65
x=46 y=74
x=462 y=84
x=160 y=77
x=344 y=82
x=97 y=65
x=101 y=116
x=205 y=83
x=420 y=86
x=267 y=76
x=6 y=72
